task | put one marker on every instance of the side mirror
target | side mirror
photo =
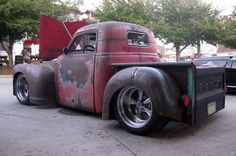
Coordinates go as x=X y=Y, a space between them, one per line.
x=65 y=51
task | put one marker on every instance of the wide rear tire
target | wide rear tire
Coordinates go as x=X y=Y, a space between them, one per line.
x=135 y=111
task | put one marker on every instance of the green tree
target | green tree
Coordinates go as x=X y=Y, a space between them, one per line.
x=229 y=36
x=187 y=22
x=206 y=26
x=21 y=17
x=181 y=22
x=133 y=11
x=229 y=39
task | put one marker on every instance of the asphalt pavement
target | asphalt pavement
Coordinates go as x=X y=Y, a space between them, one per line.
x=48 y=130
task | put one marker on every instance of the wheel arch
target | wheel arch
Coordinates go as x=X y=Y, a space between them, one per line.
x=155 y=81
x=40 y=79
x=14 y=81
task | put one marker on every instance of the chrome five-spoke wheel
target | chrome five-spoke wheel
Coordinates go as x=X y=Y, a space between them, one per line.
x=135 y=111
x=134 y=107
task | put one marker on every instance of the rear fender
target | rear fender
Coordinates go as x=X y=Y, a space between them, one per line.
x=156 y=82
x=40 y=79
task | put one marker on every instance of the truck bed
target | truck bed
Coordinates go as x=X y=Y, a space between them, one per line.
x=204 y=84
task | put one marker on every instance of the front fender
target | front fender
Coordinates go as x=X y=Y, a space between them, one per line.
x=156 y=82
x=40 y=79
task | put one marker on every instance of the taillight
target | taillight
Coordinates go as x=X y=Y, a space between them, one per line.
x=226 y=88
x=186 y=100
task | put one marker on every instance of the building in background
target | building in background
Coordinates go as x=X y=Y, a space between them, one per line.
x=168 y=51
x=2 y=51
x=224 y=51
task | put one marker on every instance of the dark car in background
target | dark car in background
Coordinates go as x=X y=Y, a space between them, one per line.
x=231 y=73
x=230 y=65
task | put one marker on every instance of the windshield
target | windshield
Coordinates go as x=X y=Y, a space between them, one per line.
x=82 y=41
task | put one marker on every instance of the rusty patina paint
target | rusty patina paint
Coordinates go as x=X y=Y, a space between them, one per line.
x=80 y=78
x=112 y=37
x=112 y=47
x=76 y=82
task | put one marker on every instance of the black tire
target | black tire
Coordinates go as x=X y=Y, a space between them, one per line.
x=21 y=90
x=135 y=111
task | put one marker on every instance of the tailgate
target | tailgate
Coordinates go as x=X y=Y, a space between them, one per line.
x=210 y=94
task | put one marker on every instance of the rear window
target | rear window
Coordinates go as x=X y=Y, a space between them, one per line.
x=137 y=39
x=228 y=64
x=234 y=64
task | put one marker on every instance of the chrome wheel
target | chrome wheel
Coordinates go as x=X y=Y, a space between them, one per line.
x=22 y=89
x=134 y=107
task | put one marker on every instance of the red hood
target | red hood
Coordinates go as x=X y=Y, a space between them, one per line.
x=55 y=35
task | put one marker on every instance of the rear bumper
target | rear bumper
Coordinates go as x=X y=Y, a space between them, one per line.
x=231 y=88
x=209 y=106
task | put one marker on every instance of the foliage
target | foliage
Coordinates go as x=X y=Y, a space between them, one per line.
x=187 y=22
x=229 y=36
x=133 y=11
x=229 y=39
x=20 y=17
x=181 y=22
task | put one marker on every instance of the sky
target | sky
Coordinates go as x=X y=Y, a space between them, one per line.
x=92 y=4
x=226 y=6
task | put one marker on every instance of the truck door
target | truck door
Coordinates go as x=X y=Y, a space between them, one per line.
x=228 y=72
x=233 y=73
x=76 y=72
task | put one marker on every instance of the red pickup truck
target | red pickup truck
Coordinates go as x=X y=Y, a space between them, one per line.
x=112 y=68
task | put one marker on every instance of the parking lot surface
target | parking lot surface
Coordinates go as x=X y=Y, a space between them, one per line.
x=54 y=130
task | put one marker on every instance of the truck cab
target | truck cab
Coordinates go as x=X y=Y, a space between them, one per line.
x=90 y=54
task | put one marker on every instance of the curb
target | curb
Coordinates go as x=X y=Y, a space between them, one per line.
x=5 y=76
